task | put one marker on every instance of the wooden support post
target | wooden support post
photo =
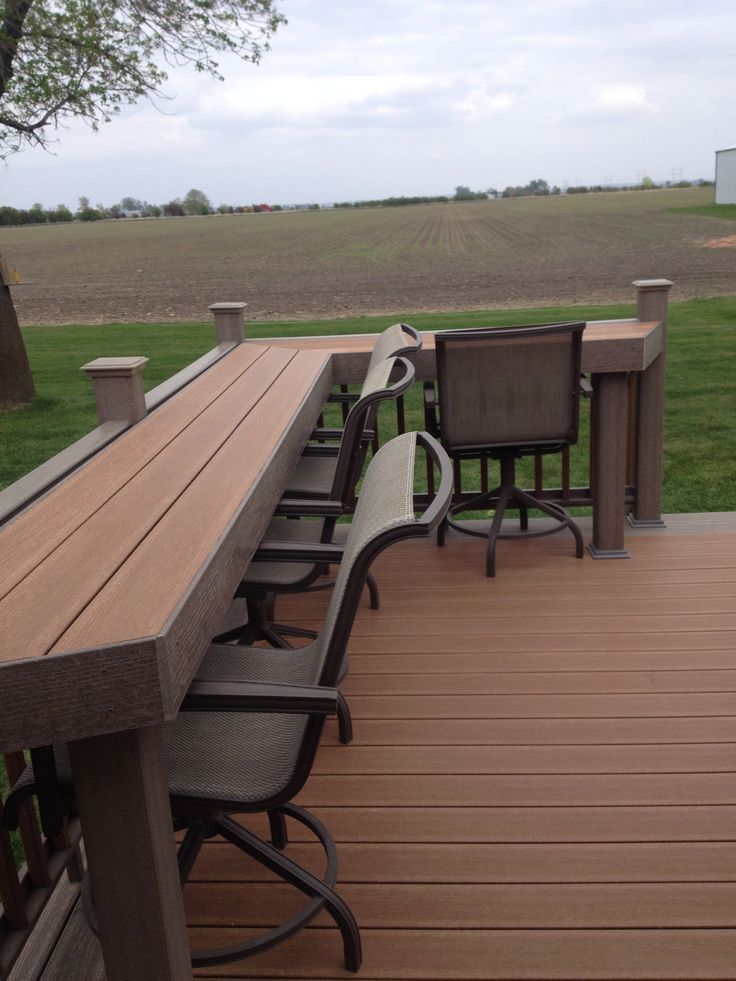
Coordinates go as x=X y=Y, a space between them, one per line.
x=608 y=469
x=118 y=386
x=652 y=295
x=122 y=794
x=229 y=321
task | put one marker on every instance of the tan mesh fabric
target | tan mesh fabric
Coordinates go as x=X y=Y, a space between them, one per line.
x=228 y=662
x=231 y=756
x=313 y=475
x=386 y=500
x=377 y=378
x=390 y=342
x=512 y=390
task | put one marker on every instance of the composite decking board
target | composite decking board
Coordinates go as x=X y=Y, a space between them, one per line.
x=458 y=596
x=543 y=682
x=533 y=790
x=539 y=706
x=477 y=906
x=548 y=732
x=457 y=863
x=467 y=955
x=507 y=644
x=146 y=589
x=486 y=823
x=397 y=626
x=33 y=535
x=368 y=665
x=532 y=759
x=100 y=545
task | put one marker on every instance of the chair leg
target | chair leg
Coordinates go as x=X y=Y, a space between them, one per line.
x=503 y=500
x=373 y=591
x=281 y=629
x=277 y=827
x=188 y=850
x=320 y=891
x=344 y=720
x=556 y=512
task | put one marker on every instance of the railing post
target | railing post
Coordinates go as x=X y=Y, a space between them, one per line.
x=651 y=305
x=229 y=321
x=118 y=387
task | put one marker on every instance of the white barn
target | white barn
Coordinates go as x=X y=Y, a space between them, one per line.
x=726 y=176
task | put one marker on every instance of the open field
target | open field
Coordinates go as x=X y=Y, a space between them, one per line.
x=293 y=265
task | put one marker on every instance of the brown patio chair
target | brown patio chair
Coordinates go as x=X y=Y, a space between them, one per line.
x=396 y=340
x=506 y=393
x=323 y=489
x=247 y=744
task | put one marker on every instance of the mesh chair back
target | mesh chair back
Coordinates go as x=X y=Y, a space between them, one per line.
x=386 y=504
x=515 y=387
x=396 y=339
x=353 y=447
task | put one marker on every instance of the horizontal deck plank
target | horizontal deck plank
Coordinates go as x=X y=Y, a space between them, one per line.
x=438 y=759
x=549 y=790
x=540 y=706
x=548 y=732
x=548 y=823
x=480 y=955
x=465 y=862
x=535 y=906
x=542 y=682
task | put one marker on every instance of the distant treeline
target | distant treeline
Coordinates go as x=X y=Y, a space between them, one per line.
x=399 y=202
x=196 y=202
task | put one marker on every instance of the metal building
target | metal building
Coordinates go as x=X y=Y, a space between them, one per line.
x=726 y=176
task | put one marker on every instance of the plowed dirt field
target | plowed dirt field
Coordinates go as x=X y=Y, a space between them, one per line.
x=319 y=264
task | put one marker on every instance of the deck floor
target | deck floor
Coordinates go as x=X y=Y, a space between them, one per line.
x=542 y=782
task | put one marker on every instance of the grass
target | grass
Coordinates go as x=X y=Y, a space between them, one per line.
x=700 y=438
x=727 y=211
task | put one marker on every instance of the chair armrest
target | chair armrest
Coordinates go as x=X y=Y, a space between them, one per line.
x=254 y=696
x=311 y=552
x=297 y=506
x=323 y=432
x=586 y=389
x=320 y=449
x=430 y=409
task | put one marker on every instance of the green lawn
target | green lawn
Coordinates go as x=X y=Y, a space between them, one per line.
x=727 y=211
x=700 y=436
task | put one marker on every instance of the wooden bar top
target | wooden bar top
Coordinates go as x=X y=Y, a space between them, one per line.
x=608 y=346
x=113 y=583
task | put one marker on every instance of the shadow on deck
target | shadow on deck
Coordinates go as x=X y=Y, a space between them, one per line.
x=542 y=780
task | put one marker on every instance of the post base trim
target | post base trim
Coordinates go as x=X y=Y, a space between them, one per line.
x=645 y=522
x=607 y=553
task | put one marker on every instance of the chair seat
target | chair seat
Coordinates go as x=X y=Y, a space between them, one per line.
x=313 y=477
x=286 y=574
x=231 y=757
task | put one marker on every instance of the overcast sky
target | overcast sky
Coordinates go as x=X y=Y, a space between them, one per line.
x=388 y=97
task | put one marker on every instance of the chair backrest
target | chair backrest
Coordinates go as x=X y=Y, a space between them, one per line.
x=515 y=387
x=385 y=514
x=395 y=340
x=377 y=388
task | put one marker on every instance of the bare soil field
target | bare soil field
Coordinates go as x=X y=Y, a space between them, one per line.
x=321 y=264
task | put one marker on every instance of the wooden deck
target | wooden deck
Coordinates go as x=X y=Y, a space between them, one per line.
x=542 y=781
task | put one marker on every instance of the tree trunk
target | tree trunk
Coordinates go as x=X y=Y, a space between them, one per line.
x=16 y=382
